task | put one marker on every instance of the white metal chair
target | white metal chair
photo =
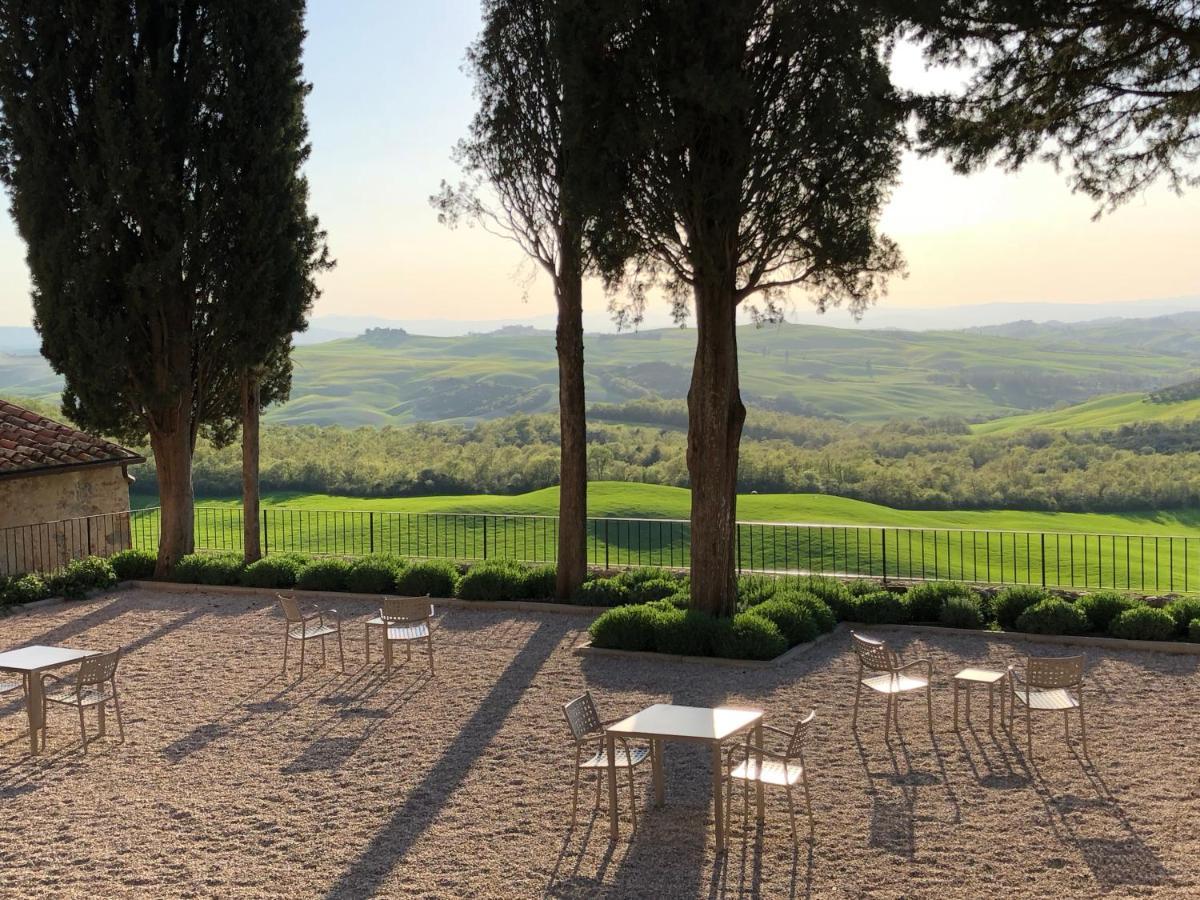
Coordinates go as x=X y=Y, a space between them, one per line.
x=92 y=686
x=768 y=768
x=892 y=678
x=585 y=725
x=1047 y=685
x=406 y=620
x=307 y=624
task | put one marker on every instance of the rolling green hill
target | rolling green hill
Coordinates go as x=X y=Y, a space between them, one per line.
x=388 y=377
x=1103 y=413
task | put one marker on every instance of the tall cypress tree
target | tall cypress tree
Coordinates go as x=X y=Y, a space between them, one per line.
x=137 y=189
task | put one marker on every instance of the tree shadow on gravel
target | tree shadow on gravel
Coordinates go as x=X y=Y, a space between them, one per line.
x=366 y=874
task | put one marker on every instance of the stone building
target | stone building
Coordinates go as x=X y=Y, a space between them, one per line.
x=63 y=493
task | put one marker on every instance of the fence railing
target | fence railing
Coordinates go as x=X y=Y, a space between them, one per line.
x=48 y=546
x=1147 y=563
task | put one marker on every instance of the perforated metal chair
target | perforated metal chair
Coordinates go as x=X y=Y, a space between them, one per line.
x=769 y=768
x=891 y=678
x=92 y=686
x=1046 y=685
x=306 y=624
x=586 y=727
x=406 y=620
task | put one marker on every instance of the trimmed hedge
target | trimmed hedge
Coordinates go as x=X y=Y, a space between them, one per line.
x=26 y=589
x=80 y=576
x=1194 y=630
x=627 y=627
x=794 y=622
x=815 y=606
x=434 y=577
x=208 y=568
x=1183 y=611
x=877 y=608
x=1052 y=616
x=925 y=601
x=495 y=580
x=131 y=565
x=1012 y=601
x=748 y=636
x=1101 y=607
x=273 y=571
x=830 y=591
x=961 y=611
x=1143 y=623
x=323 y=575
x=686 y=632
x=374 y=574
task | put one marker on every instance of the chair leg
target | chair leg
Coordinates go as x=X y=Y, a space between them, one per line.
x=632 y=794
x=929 y=705
x=429 y=641
x=303 y=644
x=575 y=794
x=324 y=659
x=1029 y=730
x=117 y=707
x=285 y=651
x=857 y=691
x=599 y=782
x=1067 y=725
x=341 y=650
x=1083 y=733
x=83 y=728
x=812 y=829
x=887 y=718
x=792 y=814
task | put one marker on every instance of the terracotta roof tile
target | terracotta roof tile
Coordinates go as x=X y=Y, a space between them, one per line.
x=29 y=442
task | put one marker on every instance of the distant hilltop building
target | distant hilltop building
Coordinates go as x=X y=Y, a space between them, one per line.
x=63 y=493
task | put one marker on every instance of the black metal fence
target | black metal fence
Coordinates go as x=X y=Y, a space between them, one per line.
x=1147 y=563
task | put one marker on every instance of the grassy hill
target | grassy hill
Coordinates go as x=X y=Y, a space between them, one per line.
x=388 y=377
x=1103 y=413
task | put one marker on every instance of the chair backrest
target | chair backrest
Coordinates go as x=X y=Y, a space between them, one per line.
x=99 y=668
x=1050 y=672
x=406 y=608
x=582 y=717
x=291 y=609
x=873 y=654
x=800 y=735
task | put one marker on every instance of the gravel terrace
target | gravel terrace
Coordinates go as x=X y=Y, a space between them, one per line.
x=236 y=783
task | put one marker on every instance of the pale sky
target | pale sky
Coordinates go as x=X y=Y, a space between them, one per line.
x=390 y=100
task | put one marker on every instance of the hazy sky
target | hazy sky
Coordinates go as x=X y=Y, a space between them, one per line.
x=390 y=100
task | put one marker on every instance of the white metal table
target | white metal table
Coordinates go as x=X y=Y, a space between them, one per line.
x=30 y=663
x=695 y=724
x=967 y=677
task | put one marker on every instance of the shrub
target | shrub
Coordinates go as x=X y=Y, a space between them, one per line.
x=627 y=627
x=829 y=590
x=685 y=632
x=208 y=568
x=375 y=574
x=1194 y=630
x=1013 y=601
x=794 y=621
x=323 y=575
x=1183 y=611
x=274 y=571
x=1101 y=607
x=878 y=608
x=815 y=606
x=749 y=636
x=755 y=589
x=499 y=579
x=961 y=611
x=434 y=577
x=1143 y=623
x=133 y=564
x=540 y=583
x=925 y=601
x=26 y=589
x=1052 y=616
x=80 y=576
x=653 y=589
x=601 y=592
x=860 y=587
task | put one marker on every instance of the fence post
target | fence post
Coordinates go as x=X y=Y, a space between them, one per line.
x=485 y=537
x=737 y=536
x=883 y=552
x=372 y=515
x=1043 y=559
x=88 y=552
x=606 y=545
x=266 y=541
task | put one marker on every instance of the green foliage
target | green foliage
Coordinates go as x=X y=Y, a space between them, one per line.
x=1183 y=610
x=275 y=571
x=627 y=627
x=133 y=565
x=653 y=589
x=860 y=587
x=1194 y=630
x=817 y=608
x=208 y=568
x=601 y=592
x=324 y=575
x=80 y=576
x=1052 y=616
x=1012 y=601
x=1143 y=623
x=499 y=579
x=878 y=608
x=961 y=611
x=374 y=574
x=26 y=589
x=749 y=636
x=437 y=578
x=925 y=600
x=829 y=590
x=755 y=589
x=793 y=620
x=1101 y=607
x=540 y=583
x=686 y=632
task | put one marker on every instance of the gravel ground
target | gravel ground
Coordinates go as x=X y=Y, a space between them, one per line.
x=236 y=783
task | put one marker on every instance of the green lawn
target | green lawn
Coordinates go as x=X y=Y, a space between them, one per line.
x=632 y=526
x=1096 y=415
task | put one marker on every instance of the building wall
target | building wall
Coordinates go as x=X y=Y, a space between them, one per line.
x=29 y=507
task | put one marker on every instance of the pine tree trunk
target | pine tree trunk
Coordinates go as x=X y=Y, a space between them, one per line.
x=250 y=487
x=715 y=418
x=172 y=446
x=572 y=415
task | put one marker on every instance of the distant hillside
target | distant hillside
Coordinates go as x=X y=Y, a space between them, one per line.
x=391 y=376
x=1178 y=333
x=1101 y=414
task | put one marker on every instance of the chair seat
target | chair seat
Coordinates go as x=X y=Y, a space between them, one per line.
x=6 y=686
x=895 y=684
x=310 y=630
x=1047 y=699
x=91 y=695
x=624 y=759
x=769 y=771
x=414 y=632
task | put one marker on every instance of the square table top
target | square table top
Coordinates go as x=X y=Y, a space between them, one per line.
x=688 y=723
x=984 y=676
x=38 y=656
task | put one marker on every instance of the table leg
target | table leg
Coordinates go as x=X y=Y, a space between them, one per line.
x=967 y=688
x=659 y=791
x=718 y=804
x=367 y=633
x=611 y=748
x=33 y=702
x=758 y=745
x=991 y=708
x=100 y=719
x=956 y=686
